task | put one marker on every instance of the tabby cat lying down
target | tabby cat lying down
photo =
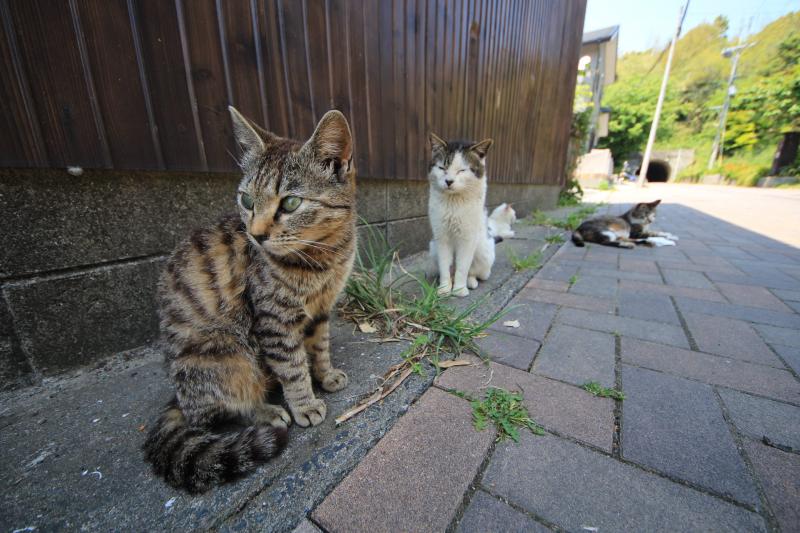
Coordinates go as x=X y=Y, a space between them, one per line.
x=244 y=306
x=625 y=231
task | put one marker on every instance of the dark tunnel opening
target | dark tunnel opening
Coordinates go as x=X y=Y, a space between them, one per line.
x=657 y=171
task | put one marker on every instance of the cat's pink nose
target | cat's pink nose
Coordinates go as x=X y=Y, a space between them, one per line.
x=448 y=182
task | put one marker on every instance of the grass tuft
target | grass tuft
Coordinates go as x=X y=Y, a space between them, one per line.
x=556 y=238
x=505 y=410
x=593 y=387
x=573 y=279
x=532 y=260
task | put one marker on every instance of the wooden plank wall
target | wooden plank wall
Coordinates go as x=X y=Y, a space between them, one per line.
x=144 y=84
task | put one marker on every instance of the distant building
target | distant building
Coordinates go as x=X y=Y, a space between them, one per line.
x=599 y=64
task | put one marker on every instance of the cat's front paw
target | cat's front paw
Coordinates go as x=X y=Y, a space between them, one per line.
x=444 y=289
x=309 y=414
x=334 y=380
x=460 y=292
x=273 y=415
x=472 y=282
x=669 y=236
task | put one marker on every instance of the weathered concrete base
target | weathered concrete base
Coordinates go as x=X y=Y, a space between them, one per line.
x=774 y=181
x=80 y=256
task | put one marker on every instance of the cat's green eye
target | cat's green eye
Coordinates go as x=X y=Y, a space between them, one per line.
x=290 y=203
x=246 y=201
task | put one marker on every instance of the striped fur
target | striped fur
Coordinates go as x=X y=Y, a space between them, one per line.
x=245 y=303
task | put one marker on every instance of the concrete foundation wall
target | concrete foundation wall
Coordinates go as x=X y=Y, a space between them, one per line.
x=80 y=256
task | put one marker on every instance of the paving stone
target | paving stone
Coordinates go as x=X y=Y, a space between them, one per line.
x=752 y=296
x=509 y=349
x=534 y=318
x=487 y=513
x=588 y=270
x=713 y=369
x=598 y=286
x=787 y=294
x=773 y=280
x=548 y=285
x=676 y=265
x=779 y=473
x=741 y=312
x=671 y=290
x=759 y=417
x=647 y=306
x=306 y=526
x=575 y=488
x=676 y=426
x=784 y=336
x=565 y=409
x=702 y=258
x=686 y=278
x=794 y=305
x=602 y=255
x=729 y=337
x=577 y=355
x=630 y=327
x=569 y=300
x=732 y=252
x=630 y=264
x=790 y=354
x=373 y=497
x=557 y=272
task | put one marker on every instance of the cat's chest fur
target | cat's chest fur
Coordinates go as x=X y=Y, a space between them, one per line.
x=460 y=215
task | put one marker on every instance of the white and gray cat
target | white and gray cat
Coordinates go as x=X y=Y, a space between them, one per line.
x=457 y=212
x=625 y=231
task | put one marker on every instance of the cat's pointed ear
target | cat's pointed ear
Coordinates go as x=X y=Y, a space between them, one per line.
x=248 y=135
x=437 y=143
x=482 y=147
x=332 y=139
x=654 y=204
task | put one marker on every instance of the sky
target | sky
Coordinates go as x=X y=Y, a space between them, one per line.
x=648 y=23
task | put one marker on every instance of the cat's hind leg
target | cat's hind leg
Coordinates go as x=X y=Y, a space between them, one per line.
x=472 y=282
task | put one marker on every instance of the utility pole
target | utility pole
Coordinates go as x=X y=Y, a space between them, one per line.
x=716 y=148
x=652 y=138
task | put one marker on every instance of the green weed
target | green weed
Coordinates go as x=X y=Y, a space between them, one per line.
x=596 y=389
x=532 y=260
x=505 y=410
x=556 y=238
x=573 y=280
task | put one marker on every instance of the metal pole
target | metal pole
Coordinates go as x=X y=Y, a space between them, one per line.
x=723 y=114
x=652 y=138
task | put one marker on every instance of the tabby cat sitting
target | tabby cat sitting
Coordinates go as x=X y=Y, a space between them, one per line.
x=244 y=306
x=624 y=231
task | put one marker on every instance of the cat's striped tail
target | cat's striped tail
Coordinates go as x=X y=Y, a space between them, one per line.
x=196 y=459
x=577 y=238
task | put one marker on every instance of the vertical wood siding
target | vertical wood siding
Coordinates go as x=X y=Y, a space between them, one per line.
x=144 y=84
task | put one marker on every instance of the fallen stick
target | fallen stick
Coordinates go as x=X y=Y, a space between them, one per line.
x=374 y=398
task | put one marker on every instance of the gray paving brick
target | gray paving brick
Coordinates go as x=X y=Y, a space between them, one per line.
x=752 y=296
x=676 y=426
x=577 y=356
x=647 y=306
x=548 y=285
x=569 y=300
x=629 y=264
x=565 y=409
x=795 y=306
x=741 y=312
x=779 y=473
x=588 y=270
x=671 y=290
x=630 y=327
x=534 y=318
x=772 y=280
x=731 y=252
x=373 y=497
x=509 y=349
x=759 y=417
x=557 y=272
x=729 y=337
x=487 y=513
x=575 y=488
x=306 y=526
x=686 y=278
x=598 y=286
x=790 y=354
x=787 y=294
x=713 y=369
x=775 y=335
x=675 y=265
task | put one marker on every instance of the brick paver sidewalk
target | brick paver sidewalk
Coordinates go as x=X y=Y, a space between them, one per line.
x=704 y=340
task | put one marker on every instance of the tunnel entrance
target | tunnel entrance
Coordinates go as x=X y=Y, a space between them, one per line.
x=657 y=171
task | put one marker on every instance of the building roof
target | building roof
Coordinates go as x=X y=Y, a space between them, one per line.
x=599 y=36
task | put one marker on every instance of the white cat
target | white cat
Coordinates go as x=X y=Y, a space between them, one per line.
x=500 y=222
x=456 y=208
